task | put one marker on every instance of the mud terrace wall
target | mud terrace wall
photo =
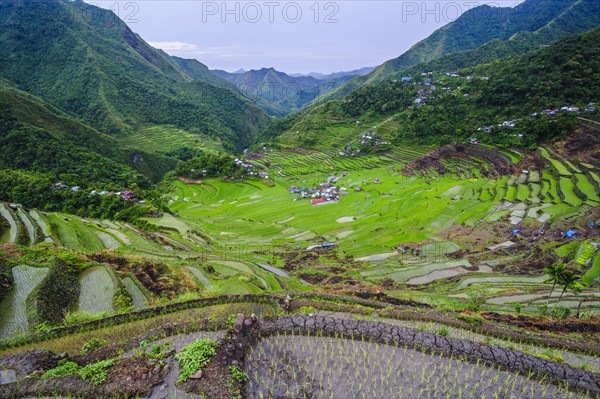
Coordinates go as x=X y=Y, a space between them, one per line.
x=508 y=359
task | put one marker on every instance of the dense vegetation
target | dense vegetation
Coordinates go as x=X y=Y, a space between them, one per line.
x=6 y=278
x=78 y=45
x=211 y=164
x=59 y=291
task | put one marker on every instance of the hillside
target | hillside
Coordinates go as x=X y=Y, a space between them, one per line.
x=507 y=30
x=96 y=69
x=452 y=108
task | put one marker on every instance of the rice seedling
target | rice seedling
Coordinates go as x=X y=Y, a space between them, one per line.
x=318 y=367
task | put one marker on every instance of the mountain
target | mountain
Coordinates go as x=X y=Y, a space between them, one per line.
x=87 y=62
x=321 y=76
x=451 y=108
x=199 y=71
x=483 y=24
x=580 y=17
x=288 y=92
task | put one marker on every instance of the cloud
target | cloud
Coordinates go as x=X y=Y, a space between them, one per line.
x=174 y=46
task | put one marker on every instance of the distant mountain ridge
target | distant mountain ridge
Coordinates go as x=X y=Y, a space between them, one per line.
x=318 y=75
x=286 y=91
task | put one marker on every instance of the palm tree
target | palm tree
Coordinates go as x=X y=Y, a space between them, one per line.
x=554 y=273
x=569 y=281
x=577 y=290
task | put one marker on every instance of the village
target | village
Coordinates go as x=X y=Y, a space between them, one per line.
x=126 y=195
x=366 y=143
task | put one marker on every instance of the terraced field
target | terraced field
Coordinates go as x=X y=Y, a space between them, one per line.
x=168 y=139
x=13 y=309
x=97 y=290
x=235 y=237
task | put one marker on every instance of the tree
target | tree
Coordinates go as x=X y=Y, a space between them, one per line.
x=577 y=290
x=569 y=281
x=554 y=273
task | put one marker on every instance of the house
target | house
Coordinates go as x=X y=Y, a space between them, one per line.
x=128 y=195
x=474 y=140
x=418 y=101
x=407 y=79
x=316 y=201
x=75 y=188
x=59 y=186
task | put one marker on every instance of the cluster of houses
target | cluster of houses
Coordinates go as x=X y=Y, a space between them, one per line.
x=591 y=107
x=431 y=88
x=324 y=192
x=364 y=142
x=249 y=169
x=488 y=129
x=126 y=195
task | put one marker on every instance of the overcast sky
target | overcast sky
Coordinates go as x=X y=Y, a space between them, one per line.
x=291 y=36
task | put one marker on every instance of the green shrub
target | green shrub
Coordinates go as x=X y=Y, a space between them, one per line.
x=96 y=372
x=64 y=367
x=123 y=301
x=195 y=357
x=72 y=318
x=474 y=320
x=58 y=292
x=93 y=344
x=560 y=312
x=586 y=367
x=443 y=331
x=238 y=374
x=518 y=307
x=476 y=299
x=159 y=351
x=6 y=278
x=307 y=310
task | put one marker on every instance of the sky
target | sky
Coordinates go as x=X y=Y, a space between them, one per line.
x=290 y=36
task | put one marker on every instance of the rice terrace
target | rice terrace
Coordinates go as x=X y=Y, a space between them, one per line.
x=426 y=228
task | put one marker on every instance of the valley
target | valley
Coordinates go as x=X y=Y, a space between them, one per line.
x=427 y=228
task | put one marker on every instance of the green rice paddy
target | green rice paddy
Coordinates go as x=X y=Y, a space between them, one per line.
x=13 y=309
x=97 y=290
